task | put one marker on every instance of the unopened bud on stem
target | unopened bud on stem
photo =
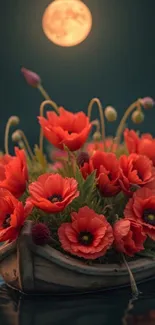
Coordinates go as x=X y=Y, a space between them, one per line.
x=110 y=114
x=21 y=144
x=82 y=158
x=16 y=136
x=147 y=102
x=137 y=117
x=31 y=77
x=14 y=120
x=97 y=136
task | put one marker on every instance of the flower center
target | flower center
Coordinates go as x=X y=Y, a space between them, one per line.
x=110 y=176
x=55 y=198
x=85 y=238
x=7 y=220
x=149 y=216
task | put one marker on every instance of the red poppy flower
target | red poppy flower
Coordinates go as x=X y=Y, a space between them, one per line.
x=12 y=215
x=14 y=173
x=86 y=169
x=5 y=159
x=143 y=146
x=69 y=129
x=89 y=235
x=107 y=172
x=136 y=171
x=92 y=147
x=141 y=209
x=52 y=192
x=128 y=237
x=85 y=164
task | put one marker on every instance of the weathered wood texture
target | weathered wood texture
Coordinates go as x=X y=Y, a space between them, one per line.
x=35 y=269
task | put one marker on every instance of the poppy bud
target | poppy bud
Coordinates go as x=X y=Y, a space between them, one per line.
x=82 y=158
x=40 y=234
x=16 y=136
x=97 y=136
x=137 y=117
x=14 y=120
x=110 y=114
x=31 y=77
x=21 y=144
x=147 y=102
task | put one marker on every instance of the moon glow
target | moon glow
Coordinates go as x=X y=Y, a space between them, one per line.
x=67 y=22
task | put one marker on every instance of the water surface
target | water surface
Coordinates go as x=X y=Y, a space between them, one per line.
x=108 y=308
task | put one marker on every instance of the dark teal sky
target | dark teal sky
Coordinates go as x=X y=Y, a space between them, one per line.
x=116 y=63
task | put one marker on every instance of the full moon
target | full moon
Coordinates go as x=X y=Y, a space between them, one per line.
x=67 y=22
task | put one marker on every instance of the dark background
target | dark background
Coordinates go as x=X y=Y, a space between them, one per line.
x=116 y=63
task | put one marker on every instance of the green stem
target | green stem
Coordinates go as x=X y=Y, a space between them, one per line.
x=97 y=124
x=11 y=121
x=90 y=106
x=6 y=138
x=134 y=288
x=53 y=241
x=127 y=311
x=43 y=92
x=123 y=121
x=42 y=107
x=28 y=148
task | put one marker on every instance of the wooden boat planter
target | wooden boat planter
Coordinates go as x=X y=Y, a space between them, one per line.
x=34 y=269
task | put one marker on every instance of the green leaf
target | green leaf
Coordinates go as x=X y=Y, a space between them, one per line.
x=95 y=203
x=79 y=178
x=147 y=253
x=40 y=157
x=76 y=204
x=89 y=185
x=149 y=244
x=88 y=192
x=67 y=170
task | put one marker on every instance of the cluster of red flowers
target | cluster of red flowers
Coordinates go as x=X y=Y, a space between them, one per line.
x=142 y=146
x=13 y=182
x=135 y=176
x=50 y=193
x=87 y=234
x=114 y=175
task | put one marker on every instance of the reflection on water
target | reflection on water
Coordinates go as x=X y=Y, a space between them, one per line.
x=101 y=309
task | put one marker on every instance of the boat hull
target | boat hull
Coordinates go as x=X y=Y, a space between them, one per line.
x=35 y=269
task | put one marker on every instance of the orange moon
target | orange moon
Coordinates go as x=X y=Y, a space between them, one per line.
x=67 y=22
